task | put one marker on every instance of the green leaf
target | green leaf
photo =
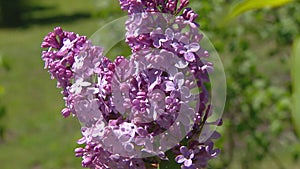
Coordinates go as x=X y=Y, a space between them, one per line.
x=1 y=90
x=295 y=72
x=248 y=5
x=4 y=63
x=168 y=165
x=2 y=111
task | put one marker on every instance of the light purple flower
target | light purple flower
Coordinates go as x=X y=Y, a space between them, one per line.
x=124 y=104
x=185 y=158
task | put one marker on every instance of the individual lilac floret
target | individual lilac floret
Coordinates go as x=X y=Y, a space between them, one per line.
x=185 y=158
x=204 y=153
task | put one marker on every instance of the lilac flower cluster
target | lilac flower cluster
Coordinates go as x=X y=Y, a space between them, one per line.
x=196 y=155
x=138 y=108
x=59 y=58
x=162 y=6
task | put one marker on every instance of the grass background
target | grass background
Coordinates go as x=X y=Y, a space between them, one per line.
x=36 y=135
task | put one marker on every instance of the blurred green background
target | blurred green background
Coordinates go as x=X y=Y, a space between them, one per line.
x=258 y=132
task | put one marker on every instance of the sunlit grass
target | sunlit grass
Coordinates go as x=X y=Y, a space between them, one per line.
x=36 y=135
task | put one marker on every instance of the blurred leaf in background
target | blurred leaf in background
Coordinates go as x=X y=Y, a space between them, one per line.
x=248 y=5
x=3 y=65
x=11 y=12
x=295 y=71
x=255 y=48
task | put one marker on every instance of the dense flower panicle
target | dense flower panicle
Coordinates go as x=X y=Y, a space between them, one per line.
x=143 y=106
x=94 y=156
x=163 y=6
x=60 y=56
x=146 y=31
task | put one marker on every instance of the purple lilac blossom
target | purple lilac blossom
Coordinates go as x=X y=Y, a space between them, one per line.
x=143 y=105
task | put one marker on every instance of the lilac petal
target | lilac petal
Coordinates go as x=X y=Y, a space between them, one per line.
x=206 y=53
x=115 y=156
x=139 y=141
x=141 y=131
x=166 y=54
x=189 y=56
x=118 y=101
x=179 y=78
x=129 y=147
x=99 y=129
x=172 y=70
x=184 y=119
x=215 y=135
x=180 y=159
x=93 y=90
x=109 y=140
x=81 y=141
x=66 y=112
x=67 y=46
x=184 y=39
x=193 y=47
x=79 y=150
x=155 y=83
x=157 y=43
x=170 y=34
x=84 y=84
x=157 y=31
x=192 y=155
x=169 y=86
x=184 y=151
x=185 y=91
x=87 y=161
x=208 y=68
x=209 y=147
x=181 y=64
x=163 y=41
x=215 y=152
x=188 y=162
x=162 y=155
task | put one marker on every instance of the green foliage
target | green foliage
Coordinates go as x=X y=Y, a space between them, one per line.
x=2 y=113
x=257 y=111
x=255 y=50
x=170 y=164
x=287 y=31
x=11 y=12
x=4 y=63
x=1 y=90
x=296 y=85
x=248 y=5
x=2 y=108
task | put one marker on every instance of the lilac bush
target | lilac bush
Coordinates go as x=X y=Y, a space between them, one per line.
x=137 y=111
